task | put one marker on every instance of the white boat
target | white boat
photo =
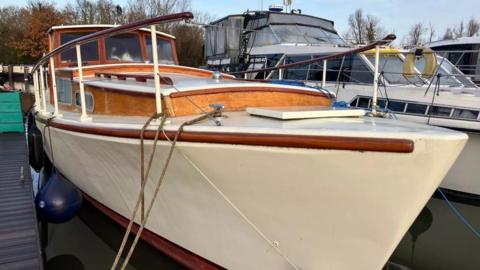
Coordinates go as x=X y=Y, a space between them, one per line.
x=274 y=39
x=463 y=52
x=241 y=191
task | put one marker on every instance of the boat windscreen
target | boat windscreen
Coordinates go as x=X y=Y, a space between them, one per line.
x=123 y=47
x=165 y=51
x=286 y=18
x=451 y=75
x=391 y=68
x=89 y=50
x=305 y=35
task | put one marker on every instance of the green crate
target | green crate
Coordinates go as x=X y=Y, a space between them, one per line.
x=8 y=107
x=10 y=97
x=11 y=118
x=11 y=127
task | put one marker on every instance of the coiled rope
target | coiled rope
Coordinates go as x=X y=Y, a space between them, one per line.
x=144 y=177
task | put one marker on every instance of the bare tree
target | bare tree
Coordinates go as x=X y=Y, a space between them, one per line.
x=373 y=31
x=473 y=27
x=459 y=31
x=142 y=9
x=356 y=23
x=448 y=34
x=431 y=32
x=415 y=35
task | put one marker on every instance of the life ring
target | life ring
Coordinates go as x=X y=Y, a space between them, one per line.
x=416 y=54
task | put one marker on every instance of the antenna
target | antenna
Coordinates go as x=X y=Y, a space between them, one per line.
x=288 y=5
x=260 y=5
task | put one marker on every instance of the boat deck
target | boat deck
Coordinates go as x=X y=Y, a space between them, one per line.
x=19 y=240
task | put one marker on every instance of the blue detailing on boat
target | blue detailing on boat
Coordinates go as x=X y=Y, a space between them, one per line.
x=458 y=214
x=292 y=83
x=340 y=104
x=58 y=201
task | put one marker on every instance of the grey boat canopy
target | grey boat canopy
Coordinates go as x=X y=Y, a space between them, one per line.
x=234 y=35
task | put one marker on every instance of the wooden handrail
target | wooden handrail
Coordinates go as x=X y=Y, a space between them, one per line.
x=112 y=31
x=385 y=40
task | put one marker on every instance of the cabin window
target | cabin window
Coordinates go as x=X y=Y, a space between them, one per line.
x=304 y=34
x=289 y=34
x=89 y=50
x=381 y=103
x=298 y=72
x=64 y=90
x=263 y=37
x=353 y=103
x=88 y=101
x=396 y=106
x=363 y=102
x=440 y=111
x=123 y=47
x=165 y=51
x=465 y=114
x=416 y=108
x=353 y=70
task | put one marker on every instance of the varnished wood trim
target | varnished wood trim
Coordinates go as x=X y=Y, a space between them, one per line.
x=274 y=140
x=183 y=256
x=265 y=88
x=139 y=67
x=138 y=77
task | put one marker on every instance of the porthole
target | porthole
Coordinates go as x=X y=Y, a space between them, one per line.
x=89 y=102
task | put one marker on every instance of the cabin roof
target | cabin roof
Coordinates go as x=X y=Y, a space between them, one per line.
x=267 y=13
x=83 y=26
x=457 y=41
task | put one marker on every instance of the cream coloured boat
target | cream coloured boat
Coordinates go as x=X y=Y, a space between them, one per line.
x=241 y=191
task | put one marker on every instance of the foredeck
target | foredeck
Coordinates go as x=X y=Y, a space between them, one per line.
x=19 y=241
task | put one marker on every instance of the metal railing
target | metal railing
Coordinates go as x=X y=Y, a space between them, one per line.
x=386 y=40
x=38 y=75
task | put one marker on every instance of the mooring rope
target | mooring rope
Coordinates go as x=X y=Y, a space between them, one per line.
x=143 y=176
x=144 y=220
x=459 y=215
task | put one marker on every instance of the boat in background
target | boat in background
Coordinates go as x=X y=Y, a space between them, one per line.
x=244 y=188
x=259 y=41
x=463 y=52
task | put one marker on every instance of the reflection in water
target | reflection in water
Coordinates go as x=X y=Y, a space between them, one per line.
x=421 y=225
x=438 y=240
x=90 y=241
x=59 y=262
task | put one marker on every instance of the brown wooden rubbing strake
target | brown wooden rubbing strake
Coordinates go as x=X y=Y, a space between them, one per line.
x=275 y=140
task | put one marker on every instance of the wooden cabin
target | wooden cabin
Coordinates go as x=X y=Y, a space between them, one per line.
x=118 y=78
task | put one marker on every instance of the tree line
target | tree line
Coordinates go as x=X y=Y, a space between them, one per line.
x=24 y=29
x=366 y=28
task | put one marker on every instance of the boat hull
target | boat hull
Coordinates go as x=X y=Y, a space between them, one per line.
x=463 y=175
x=258 y=207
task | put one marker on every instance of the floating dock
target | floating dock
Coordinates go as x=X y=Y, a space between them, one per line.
x=19 y=238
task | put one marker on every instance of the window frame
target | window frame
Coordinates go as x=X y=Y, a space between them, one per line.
x=427 y=112
x=79 y=105
x=146 y=35
x=57 y=43
x=142 y=50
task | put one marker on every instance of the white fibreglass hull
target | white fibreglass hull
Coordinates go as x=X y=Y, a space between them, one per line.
x=252 y=207
x=463 y=176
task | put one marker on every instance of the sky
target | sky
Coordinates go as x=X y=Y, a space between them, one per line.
x=395 y=16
